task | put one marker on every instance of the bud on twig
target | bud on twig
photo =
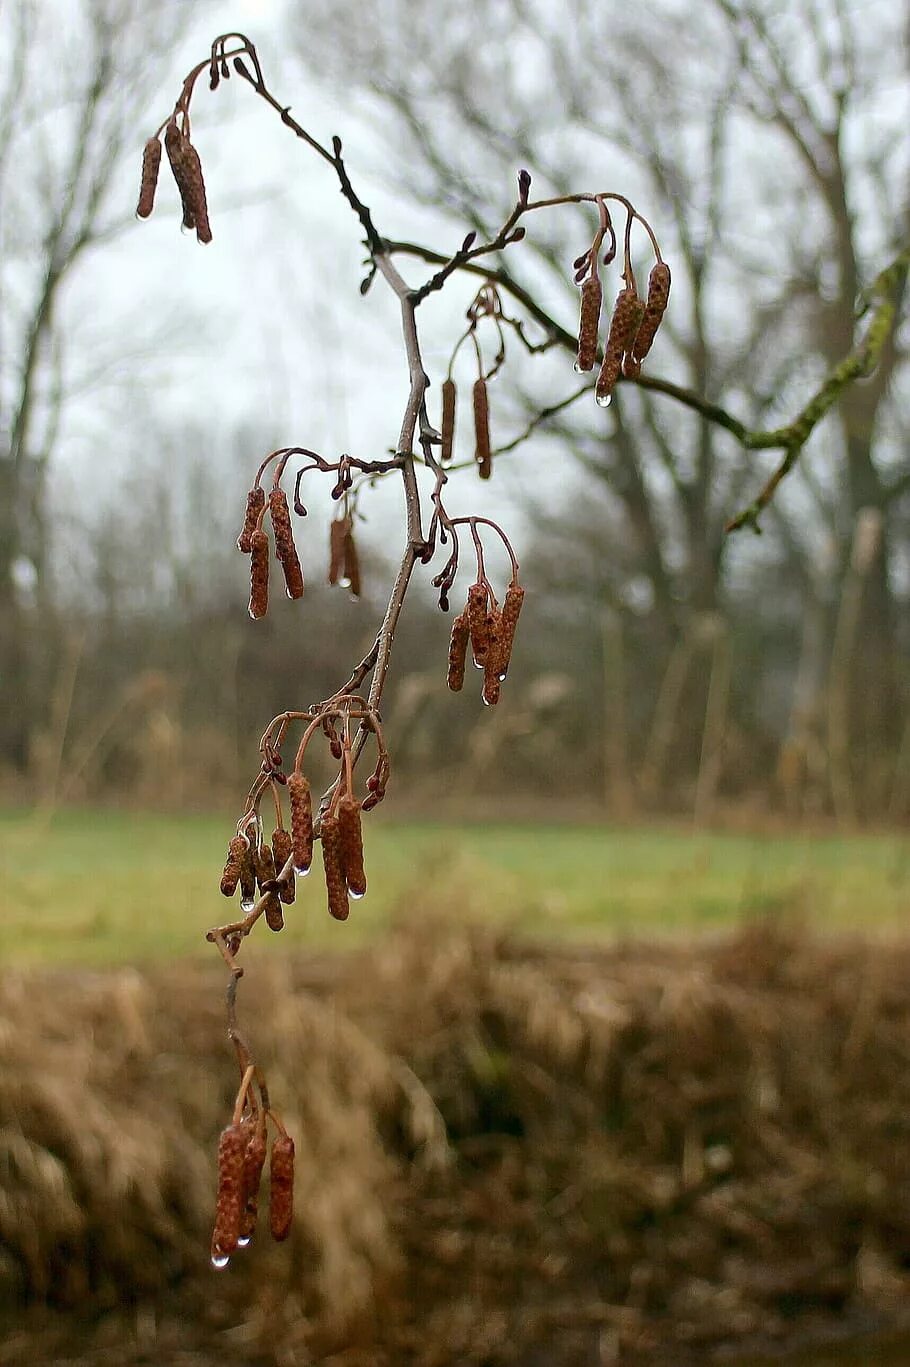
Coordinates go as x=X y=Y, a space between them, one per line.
x=447 y=427
x=255 y=502
x=301 y=821
x=281 y=1187
x=151 y=161
x=259 y=574
x=482 y=453
x=458 y=649
x=350 y=835
x=284 y=543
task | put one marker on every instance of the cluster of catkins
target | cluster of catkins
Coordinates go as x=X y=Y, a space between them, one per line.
x=490 y=630
x=254 y=542
x=253 y=865
x=241 y=1159
x=187 y=170
x=633 y=327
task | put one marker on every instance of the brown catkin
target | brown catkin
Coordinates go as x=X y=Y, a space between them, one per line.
x=477 y=622
x=511 y=609
x=237 y=851
x=350 y=837
x=187 y=170
x=264 y=864
x=271 y=910
x=255 y=502
x=253 y=1163
x=338 y=530
x=259 y=574
x=655 y=308
x=492 y=684
x=301 y=821
x=247 y=876
x=282 y=849
x=151 y=161
x=623 y=325
x=230 y=1201
x=350 y=569
x=589 y=323
x=335 y=882
x=284 y=542
x=458 y=649
x=447 y=427
x=281 y=1187
x=482 y=452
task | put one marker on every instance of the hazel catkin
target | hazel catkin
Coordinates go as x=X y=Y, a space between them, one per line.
x=350 y=838
x=482 y=452
x=301 y=821
x=230 y=1200
x=338 y=529
x=458 y=649
x=255 y=502
x=284 y=543
x=230 y=877
x=627 y=313
x=151 y=161
x=335 y=881
x=589 y=323
x=281 y=1187
x=187 y=169
x=511 y=609
x=477 y=622
x=350 y=567
x=655 y=308
x=447 y=426
x=259 y=574
x=282 y=849
x=253 y=1163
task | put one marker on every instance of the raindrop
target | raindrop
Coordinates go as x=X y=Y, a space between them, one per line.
x=577 y=368
x=300 y=871
x=354 y=896
x=219 y=1262
x=485 y=700
x=501 y=678
x=243 y=1241
x=345 y=583
x=246 y=904
x=603 y=400
x=478 y=664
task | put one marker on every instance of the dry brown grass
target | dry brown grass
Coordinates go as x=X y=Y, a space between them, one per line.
x=503 y=1152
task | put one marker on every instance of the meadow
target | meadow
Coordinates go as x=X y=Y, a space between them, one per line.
x=114 y=885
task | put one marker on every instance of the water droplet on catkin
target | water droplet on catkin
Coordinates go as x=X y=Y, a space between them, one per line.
x=603 y=400
x=355 y=896
x=246 y=904
x=220 y=1262
x=243 y=1241
x=300 y=871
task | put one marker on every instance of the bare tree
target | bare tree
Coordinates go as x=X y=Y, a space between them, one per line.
x=74 y=79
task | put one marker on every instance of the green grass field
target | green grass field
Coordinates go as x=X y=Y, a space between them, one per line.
x=111 y=886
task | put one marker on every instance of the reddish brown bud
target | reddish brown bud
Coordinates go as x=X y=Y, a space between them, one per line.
x=237 y=851
x=282 y=849
x=301 y=821
x=458 y=649
x=255 y=502
x=281 y=1187
x=338 y=530
x=589 y=323
x=350 y=836
x=658 y=298
x=259 y=574
x=335 y=882
x=151 y=161
x=447 y=427
x=482 y=452
x=284 y=543
x=253 y=1163
x=477 y=622
x=230 y=1201
x=627 y=313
